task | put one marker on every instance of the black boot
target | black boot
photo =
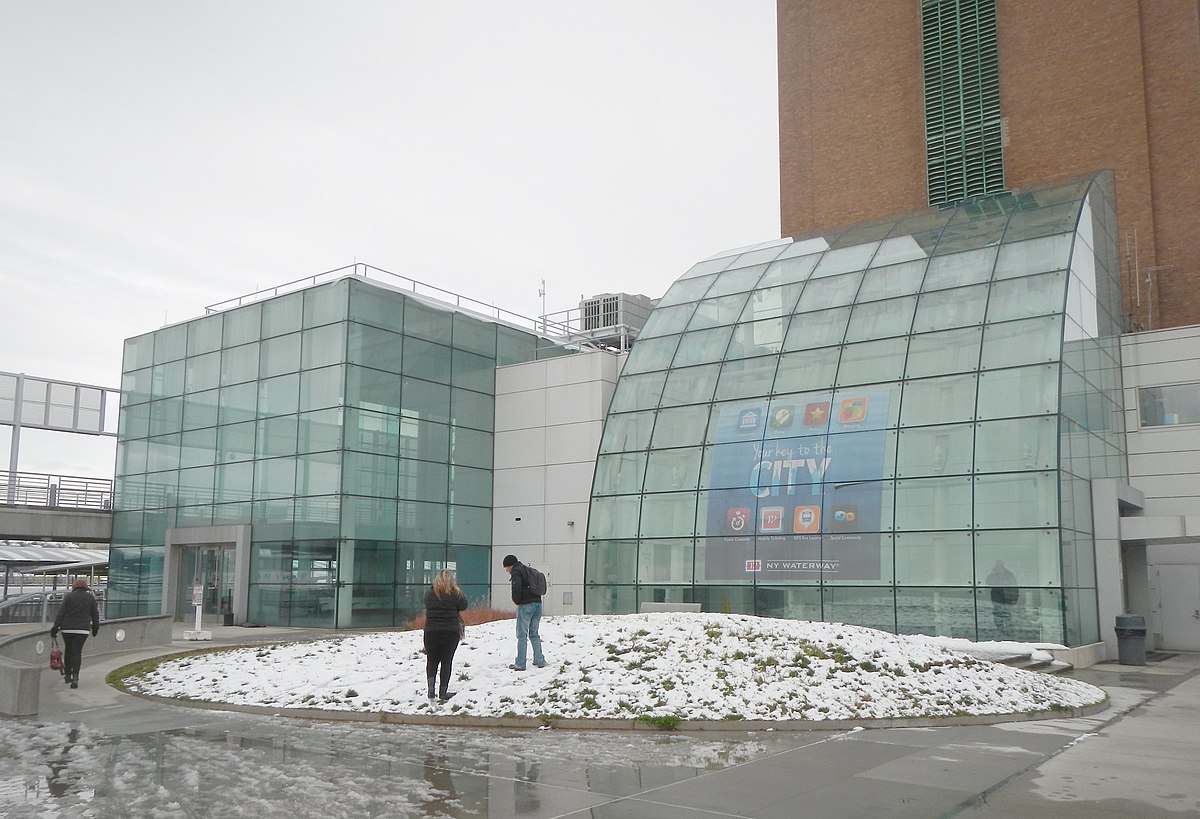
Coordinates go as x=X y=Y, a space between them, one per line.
x=432 y=682
x=443 y=694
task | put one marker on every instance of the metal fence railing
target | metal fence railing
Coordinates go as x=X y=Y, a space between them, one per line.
x=57 y=491
x=39 y=607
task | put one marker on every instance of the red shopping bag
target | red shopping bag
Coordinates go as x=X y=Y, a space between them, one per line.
x=56 y=663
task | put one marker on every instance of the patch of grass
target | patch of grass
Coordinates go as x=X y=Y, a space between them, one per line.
x=663 y=722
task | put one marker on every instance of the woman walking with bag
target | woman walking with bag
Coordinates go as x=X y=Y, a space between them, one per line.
x=443 y=622
x=77 y=617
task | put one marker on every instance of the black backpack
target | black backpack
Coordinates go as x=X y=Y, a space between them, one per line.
x=535 y=580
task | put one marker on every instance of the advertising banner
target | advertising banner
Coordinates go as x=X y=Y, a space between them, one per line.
x=796 y=488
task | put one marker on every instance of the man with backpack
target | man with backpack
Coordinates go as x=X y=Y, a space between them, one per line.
x=528 y=586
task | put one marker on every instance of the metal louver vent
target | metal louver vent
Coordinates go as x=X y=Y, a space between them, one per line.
x=963 y=143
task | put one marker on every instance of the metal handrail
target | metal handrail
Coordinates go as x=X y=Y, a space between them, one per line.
x=55 y=491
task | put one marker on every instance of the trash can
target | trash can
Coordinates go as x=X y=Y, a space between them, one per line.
x=228 y=620
x=1131 y=639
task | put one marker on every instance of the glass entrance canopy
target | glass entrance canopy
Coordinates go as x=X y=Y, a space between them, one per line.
x=894 y=425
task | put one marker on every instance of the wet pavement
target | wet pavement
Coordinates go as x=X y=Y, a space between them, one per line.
x=96 y=752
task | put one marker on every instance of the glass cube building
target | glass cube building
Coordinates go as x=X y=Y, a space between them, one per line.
x=860 y=426
x=346 y=428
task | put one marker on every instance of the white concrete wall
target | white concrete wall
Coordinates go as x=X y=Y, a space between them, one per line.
x=549 y=417
x=1164 y=463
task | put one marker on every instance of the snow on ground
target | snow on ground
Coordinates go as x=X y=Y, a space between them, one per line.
x=668 y=665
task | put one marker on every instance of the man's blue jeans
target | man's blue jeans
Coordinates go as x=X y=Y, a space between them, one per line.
x=529 y=617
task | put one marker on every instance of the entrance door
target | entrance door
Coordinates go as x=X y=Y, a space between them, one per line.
x=1179 y=602
x=205 y=576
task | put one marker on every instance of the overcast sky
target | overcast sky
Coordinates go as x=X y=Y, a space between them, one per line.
x=159 y=157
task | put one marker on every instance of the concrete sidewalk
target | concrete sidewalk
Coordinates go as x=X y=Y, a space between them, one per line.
x=134 y=757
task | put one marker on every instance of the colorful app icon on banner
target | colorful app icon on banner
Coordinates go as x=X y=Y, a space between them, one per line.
x=770 y=519
x=782 y=416
x=754 y=565
x=749 y=420
x=853 y=411
x=816 y=414
x=845 y=518
x=737 y=521
x=806 y=519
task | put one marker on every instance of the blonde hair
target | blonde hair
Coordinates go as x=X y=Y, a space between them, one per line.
x=444 y=584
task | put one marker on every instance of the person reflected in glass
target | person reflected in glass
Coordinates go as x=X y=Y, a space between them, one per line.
x=78 y=616
x=526 y=797
x=1005 y=595
x=444 y=603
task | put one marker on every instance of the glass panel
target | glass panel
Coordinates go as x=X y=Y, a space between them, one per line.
x=772 y=302
x=950 y=308
x=472 y=409
x=325 y=304
x=375 y=475
x=1170 y=405
x=166 y=380
x=514 y=346
x=135 y=388
x=276 y=436
x=870 y=607
x=745 y=378
x=686 y=289
x=238 y=403
x=898 y=249
x=470 y=524
x=424 y=359
x=138 y=352
x=235 y=442
x=1016 y=444
x=198 y=447
x=736 y=280
x=467 y=446
x=949 y=351
x=1019 y=391
x=880 y=319
x=960 y=269
x=1033 y=256
x=871 y=362
x=280 y=355
x=199 y=410
x=1016 y=500
x=275 y=478
x=612 y=517
x=790 y=270
x=196 y=485
x=821 y=294
x=170 y=343
x=717 y=312
x=845 y=259
x=673 y=469
x=162 y=453
x=279 y=396
x=934 y=558
x=474 y=336
x=619 y=474
x=429 y=323
x=690 y=385
x=234 y=482
x=628 y=432
x=669 y=514
x=756 y=338
x=700 y=347
x=936 y=612
x=652 y=354
x=933 y=503
x=284 y=314
x=423 y=399
x=1031 y=296
x=819 y=329
x=467 y=485
x=375 y=306
x=666 y=321
x=611 y=561
x=938 y=400
x=1032 y=555
x=680 y=426
x=942 y=450
x=324 y=346
x=666 y=561
x=242 y=326
x=807 y=370
x=239 y=364
x=319 y=474
x=638 y=392
x=204 y=335
x=203 y=372
x=319 y=431
x=166 y=416
x=896 y=280
x=372 y=432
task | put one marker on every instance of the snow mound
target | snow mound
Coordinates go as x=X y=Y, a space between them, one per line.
x=663 y=667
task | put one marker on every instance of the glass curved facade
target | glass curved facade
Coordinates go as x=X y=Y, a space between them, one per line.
x=859 y=426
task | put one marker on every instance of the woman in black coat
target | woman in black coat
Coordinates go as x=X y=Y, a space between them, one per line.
x=77 y=617
x=443 y=624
